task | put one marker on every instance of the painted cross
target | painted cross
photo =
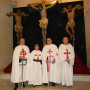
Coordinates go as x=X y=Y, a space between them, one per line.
x=37 y=56
x=49 y=51
x=23 y=52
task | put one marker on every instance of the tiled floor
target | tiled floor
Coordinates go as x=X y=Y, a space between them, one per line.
x=7 y=85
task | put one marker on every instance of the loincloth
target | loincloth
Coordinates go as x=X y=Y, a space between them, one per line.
x=18 y=27
x=43 y=23
x=70 y=23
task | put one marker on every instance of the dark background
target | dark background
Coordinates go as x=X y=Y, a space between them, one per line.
x=56 y=28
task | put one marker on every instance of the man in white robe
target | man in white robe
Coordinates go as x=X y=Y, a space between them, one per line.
x=50 y=63
x=34 y=67
x=66 y=58
x=21 y=53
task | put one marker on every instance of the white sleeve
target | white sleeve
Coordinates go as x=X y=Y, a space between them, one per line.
x=44 y=54
x=27 y=53
x=72 y=56
x=61 y=55
x=55 y=51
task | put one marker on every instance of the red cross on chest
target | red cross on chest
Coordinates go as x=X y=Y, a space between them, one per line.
x=23 y=52
x=37 y=56
x=49 y=51
x=67 y=53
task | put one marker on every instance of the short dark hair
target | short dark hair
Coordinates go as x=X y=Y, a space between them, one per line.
x=65 y=37
x=36 y=44
x=49 y=37
x=22 y=38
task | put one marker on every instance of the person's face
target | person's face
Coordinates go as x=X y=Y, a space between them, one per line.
x=40 y=7
x=65 y=40
x=22 y=41
x=36 y=47
x=49 y=41
x=18 y=11
x=69 y=7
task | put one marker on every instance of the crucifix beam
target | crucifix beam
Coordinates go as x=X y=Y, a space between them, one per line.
x=46 y=3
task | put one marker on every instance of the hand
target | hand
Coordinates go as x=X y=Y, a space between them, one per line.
x=67 y=59
x=47 y=61
x=53 y=61
x=22 y=57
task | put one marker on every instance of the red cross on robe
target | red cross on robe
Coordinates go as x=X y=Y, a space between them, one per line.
x=49 y=51
x=37 y=56
x=23 y=52
x=67 y=55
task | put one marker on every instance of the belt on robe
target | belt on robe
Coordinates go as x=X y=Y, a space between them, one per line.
x=20 y=60
x=37 y=60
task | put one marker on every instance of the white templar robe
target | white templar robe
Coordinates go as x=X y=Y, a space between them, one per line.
x=16 y=74
x=66 y=67
x=50 y=71
x=35 y=68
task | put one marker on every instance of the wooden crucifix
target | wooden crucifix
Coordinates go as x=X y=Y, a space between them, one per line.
x=43 y=22
x=18 y=26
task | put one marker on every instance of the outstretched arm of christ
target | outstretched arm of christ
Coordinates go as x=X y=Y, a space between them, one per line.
x=24 y=14
x=10 y=14
x=34 y=7
x=50 y=6
x=78 y=7
x=64 y=10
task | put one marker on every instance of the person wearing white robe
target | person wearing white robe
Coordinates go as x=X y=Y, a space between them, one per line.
x=34 y=67
x=66 y=58
x=50 y=63
x=16 y=74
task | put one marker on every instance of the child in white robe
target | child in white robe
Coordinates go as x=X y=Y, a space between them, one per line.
x=35 y=77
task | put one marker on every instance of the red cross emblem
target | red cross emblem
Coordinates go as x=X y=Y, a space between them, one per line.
x=49 y=51
x=23 y=52
x=37 y=56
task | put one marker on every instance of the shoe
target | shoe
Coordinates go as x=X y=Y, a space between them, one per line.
x=24 y=85
x=45 y=84
x=34 y=86
x=53 y=84
x=16 y=86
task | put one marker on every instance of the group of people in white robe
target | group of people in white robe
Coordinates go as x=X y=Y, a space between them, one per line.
x=51 y=66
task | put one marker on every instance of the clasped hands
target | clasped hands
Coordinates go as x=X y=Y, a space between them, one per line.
x=22 y=57
x=47 y=61
x=67 y=59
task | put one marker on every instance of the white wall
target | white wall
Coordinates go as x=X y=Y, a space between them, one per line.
x=6 y=34
x=87 y=28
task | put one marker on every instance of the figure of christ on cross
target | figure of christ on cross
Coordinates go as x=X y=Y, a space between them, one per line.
x=71 y=23
x=67 y=55
x=41 y=7
x=18 y=26
x=37 y=56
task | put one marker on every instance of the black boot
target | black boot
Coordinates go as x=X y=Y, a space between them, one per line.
x=16 y=86
x=45 y=84
x=53 y=84
x=23 y=85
